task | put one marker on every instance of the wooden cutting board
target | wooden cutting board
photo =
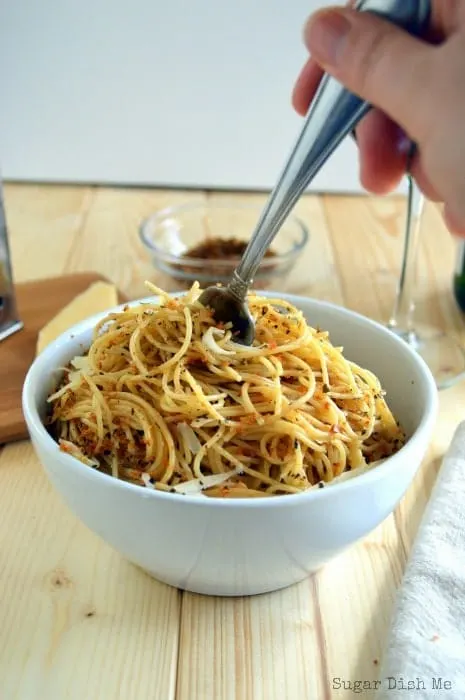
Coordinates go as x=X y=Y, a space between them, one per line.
x=38 y=302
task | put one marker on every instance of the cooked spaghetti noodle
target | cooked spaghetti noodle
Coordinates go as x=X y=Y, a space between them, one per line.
x=166 y=399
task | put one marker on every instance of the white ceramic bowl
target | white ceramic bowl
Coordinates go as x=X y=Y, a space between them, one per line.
x=244 y=547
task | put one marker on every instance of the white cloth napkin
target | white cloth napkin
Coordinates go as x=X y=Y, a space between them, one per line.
x=427 y=638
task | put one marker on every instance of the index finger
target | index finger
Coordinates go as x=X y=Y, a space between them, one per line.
x=306 y=86
x=446 y=17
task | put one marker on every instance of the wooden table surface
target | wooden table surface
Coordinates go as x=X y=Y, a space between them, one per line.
x=76 y=620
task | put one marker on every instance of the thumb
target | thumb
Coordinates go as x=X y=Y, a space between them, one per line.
x=377 y=61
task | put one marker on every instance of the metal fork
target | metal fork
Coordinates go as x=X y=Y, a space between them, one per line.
x=333 y=114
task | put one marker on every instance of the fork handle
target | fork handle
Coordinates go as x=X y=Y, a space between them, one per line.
x=333 y=114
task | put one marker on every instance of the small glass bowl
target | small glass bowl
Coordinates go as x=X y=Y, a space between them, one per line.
x=169 y=234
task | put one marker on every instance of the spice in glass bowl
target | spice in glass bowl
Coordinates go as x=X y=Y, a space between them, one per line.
x=204 y=242
x=214 y=250
x=220 y=249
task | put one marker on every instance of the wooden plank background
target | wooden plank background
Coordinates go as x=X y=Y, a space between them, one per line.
x=76 y=620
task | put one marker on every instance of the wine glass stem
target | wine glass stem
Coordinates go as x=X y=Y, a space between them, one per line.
x=402 y=319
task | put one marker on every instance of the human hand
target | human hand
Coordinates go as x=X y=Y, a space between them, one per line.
x=417 y=88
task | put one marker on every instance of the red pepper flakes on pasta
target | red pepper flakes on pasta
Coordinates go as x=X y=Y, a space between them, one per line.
x=133 y=388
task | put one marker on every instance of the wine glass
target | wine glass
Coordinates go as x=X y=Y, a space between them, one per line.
x=444 y=354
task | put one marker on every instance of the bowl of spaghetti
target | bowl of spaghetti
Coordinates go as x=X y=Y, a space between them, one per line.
x=224 y=469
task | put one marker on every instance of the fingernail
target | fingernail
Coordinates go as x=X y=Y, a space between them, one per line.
x=404 y=143
x=325 y=36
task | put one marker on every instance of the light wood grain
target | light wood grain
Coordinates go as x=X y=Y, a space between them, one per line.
x=109 y=241
x=266 y=647
x=78 y=621
x=44 y=222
